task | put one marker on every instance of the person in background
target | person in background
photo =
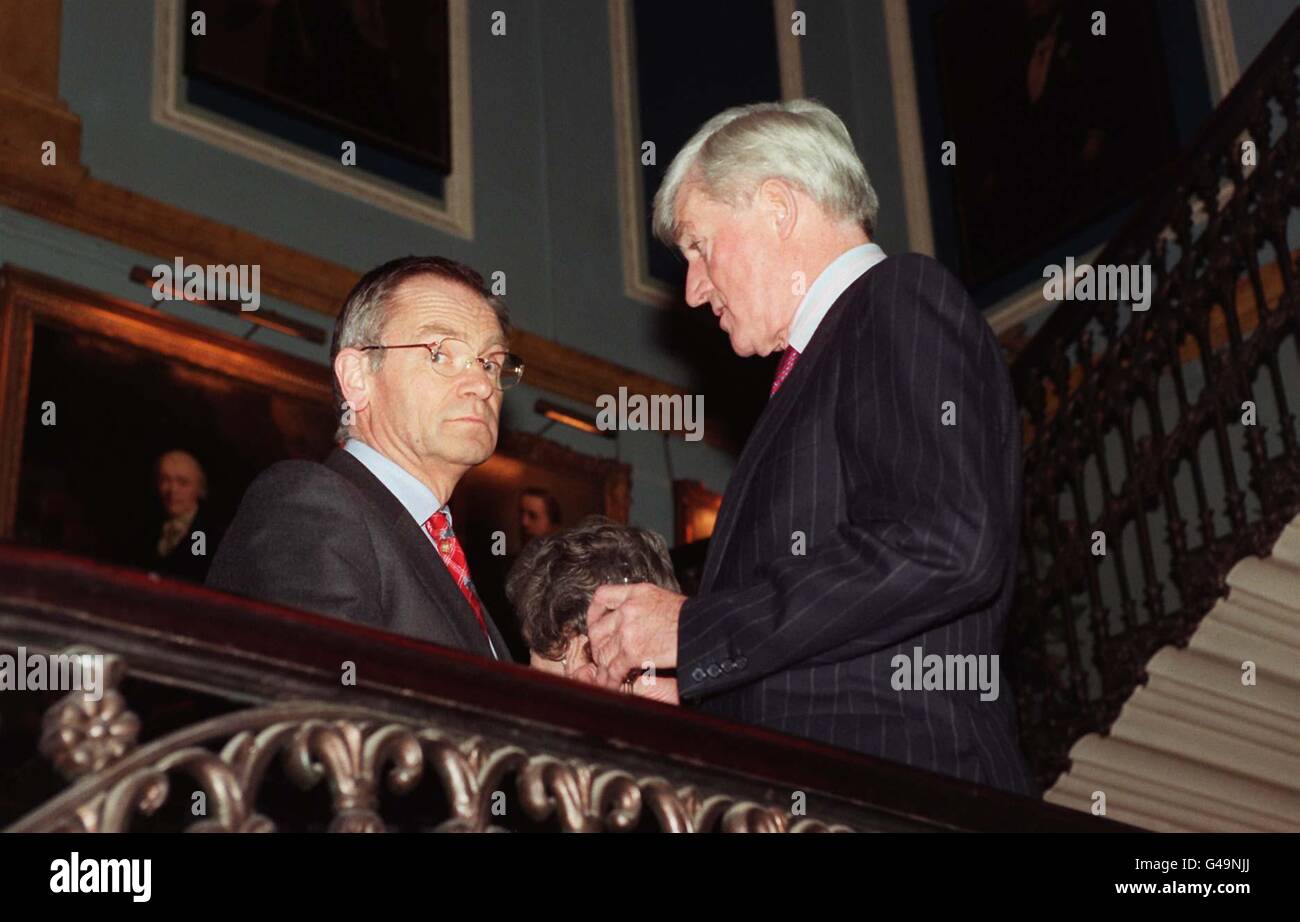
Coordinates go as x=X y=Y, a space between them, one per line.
x=539 y=514
x=551 y=585
x=173 y=546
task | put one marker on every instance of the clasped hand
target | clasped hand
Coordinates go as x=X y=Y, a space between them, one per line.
x=632 y=628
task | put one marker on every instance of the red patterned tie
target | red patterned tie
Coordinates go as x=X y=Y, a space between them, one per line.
x=788 y=358
x=444 y=539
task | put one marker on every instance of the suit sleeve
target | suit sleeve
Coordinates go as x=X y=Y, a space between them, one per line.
x=931 y=508
x=298 y=540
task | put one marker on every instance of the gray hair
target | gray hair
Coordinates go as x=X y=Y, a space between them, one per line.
x=799 y=141
x=552 y=582
x=366 y=310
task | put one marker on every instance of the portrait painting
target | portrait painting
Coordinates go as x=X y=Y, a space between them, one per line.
x=1049 y=123
x=101 y=388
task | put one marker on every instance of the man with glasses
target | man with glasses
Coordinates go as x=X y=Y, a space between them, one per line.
x=420 y=356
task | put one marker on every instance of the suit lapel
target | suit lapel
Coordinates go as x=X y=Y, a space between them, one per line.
x=420 y=552
x=769 y=426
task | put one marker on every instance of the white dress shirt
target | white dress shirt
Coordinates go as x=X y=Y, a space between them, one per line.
x=174 y=530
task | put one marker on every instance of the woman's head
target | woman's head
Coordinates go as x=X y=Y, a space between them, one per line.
x=552 y=583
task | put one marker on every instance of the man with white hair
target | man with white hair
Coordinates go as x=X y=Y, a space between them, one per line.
x=869 y=529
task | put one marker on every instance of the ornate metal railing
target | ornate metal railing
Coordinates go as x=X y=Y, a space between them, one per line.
x=224 y=714
x=1161 y=444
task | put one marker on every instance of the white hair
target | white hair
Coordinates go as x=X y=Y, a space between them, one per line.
x=799 y=141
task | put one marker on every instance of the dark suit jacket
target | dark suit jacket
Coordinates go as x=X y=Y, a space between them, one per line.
x=331 y=538
x=910 y=531
x=490 y=574
x=182 y=562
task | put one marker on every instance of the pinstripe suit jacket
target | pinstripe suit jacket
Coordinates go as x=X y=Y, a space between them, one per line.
x=909 y=530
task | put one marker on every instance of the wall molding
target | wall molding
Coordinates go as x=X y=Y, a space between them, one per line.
x=454 y=214
x=789 y=53
x=907 y=119
x=1028 y=302
x=1220 y=47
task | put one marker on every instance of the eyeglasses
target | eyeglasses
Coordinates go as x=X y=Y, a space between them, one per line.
x=450 y=357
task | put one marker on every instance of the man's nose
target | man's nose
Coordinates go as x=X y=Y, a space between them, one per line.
x=475 y=380
x=697 y=285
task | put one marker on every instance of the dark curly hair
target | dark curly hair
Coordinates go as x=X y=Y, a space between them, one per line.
x=552 y=582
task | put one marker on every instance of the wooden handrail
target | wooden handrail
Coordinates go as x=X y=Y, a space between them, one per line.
x=223 y=644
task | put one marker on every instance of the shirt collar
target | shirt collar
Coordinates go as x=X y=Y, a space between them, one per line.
x=418 y=499
x=846 y=269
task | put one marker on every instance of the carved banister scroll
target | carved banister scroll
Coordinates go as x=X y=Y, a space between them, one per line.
x=354 y=755
x=236 y=715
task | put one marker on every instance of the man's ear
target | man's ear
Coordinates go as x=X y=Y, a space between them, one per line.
x=352 y=370
x=781 y=205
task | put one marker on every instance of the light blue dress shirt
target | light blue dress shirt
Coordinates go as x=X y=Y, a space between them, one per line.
x=833 y=281
x=410 y=491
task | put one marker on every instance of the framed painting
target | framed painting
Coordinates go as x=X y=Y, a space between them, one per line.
x=374 y=70
x=696 y=511
x=368 y=99
x=93 y=390
x=1038 y=136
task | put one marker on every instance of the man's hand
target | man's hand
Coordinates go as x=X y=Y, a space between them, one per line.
x=652 y=688
x=656 y=689
x=630 y=626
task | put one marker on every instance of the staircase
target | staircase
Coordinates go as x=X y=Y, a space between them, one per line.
x=1210 y=744
x=1161 y=467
